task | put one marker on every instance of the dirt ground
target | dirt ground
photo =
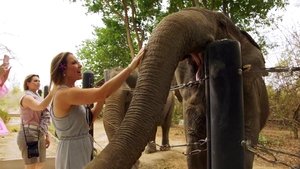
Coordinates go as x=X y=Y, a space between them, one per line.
x=272 y=136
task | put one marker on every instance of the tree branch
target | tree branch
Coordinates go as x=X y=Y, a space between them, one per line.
x=127 y=27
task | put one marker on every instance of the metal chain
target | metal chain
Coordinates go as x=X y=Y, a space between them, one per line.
x=246 y=68
x=283 y=69
x=291 y=70
x=196 y=151
x=188 y=84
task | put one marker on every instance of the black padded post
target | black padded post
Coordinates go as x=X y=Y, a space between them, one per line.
x=226 y=105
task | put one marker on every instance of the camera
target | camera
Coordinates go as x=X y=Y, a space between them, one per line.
x=33 y=149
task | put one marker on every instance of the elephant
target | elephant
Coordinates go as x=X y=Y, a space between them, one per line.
x=116 y=106
x=177 y=43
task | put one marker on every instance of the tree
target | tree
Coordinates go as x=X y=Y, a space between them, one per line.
x=135 y=16
x=109 y=50
x=284 y=89
x=134 y=21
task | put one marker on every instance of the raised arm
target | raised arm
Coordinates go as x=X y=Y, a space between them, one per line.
x=78 y=96
x=30 y=102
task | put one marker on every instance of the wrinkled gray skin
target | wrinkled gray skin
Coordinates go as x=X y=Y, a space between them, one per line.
x=116 y=106
x=175 y=37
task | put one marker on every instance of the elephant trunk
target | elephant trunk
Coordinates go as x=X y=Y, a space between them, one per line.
x=176 y=36
x=114 y=112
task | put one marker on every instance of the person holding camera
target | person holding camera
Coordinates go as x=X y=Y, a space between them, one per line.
x=33 y=138
x=68 y=113
x=4 y=72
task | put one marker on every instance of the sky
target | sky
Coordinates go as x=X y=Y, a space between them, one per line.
x=290 y=22
x=36 y=30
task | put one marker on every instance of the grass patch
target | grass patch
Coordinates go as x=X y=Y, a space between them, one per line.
x=13 y=128
x=269 y=140
x=264 y=140
x=4 y=115
x=51 y=129
x=177 y=114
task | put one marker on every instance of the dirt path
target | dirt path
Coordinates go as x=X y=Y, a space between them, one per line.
x=173 y=159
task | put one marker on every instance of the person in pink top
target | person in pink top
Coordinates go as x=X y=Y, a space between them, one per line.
x=4 y=72
x=33 y=136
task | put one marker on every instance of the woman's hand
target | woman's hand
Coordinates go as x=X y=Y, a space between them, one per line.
x=137 y=59
x=4 y=70
x=54 y=88
x=5 y=63
x=47 y=141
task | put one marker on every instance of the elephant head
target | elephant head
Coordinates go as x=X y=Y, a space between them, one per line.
x=172 y=42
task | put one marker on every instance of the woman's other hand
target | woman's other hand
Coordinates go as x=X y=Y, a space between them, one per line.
x=53 y=89
x=47 y=141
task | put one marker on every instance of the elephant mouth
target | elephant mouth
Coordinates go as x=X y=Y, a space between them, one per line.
x=197 y=60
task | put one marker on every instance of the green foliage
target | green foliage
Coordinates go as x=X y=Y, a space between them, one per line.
x=111 y=50
x=283 y=101
x=130 y=23
x=178 y=112
x=4 y=115
x=242 y=12
x=270 y=141
x=264 y=140
x=113 y=46
x=284 y=89
x=9 y=102
x=13 y=128
x=51 y=129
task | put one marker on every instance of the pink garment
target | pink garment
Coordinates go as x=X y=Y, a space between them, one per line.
x=3 y=129
x=27 y=115
x=3 y=90
x=37 y=118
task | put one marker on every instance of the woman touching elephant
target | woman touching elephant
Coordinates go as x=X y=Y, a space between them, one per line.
x=68 y=114
x=170 y=45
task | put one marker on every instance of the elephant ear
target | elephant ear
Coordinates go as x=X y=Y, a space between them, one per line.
x=252 y=41
x=226 y=28
x=130 y=82
x=132 y=79
x=100 y=82
x=110 y=73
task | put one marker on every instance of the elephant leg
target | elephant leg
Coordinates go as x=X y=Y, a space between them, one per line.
x=251 y=133
x=151 y=145
x=256 y=112
x=195 y=130
x=165 y=146
x=167 y=123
